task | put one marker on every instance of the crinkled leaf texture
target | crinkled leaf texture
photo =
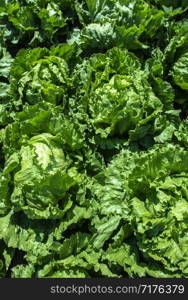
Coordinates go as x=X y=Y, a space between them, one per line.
x=93 y=138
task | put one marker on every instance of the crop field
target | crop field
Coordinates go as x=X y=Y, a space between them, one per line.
x=93 y=138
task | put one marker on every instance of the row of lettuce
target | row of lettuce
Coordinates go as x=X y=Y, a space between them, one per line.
x=94 y=136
